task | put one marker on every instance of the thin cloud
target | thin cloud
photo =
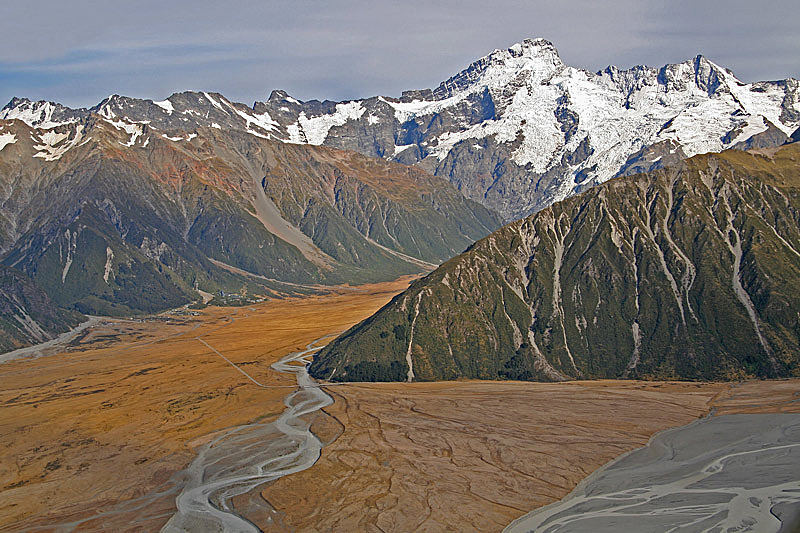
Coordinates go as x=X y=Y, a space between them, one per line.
x=77 y=52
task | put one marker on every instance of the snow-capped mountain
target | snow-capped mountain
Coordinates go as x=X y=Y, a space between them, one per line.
x=517 y=130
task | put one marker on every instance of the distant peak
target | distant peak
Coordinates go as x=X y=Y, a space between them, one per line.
x=702 y=63
x=530 y=44
x=280 y=95
x=537 y=48
x=537 y=56
x=22 y=102
x=15 y=102
x=109 y=99
x=39 y=114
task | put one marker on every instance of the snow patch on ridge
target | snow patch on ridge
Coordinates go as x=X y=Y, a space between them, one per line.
x=214 y=102
x=316 y=128
x=405 y=111
x=52 y=143
x=263 y=121
x=400 y=147
x=753 y=125
x=6 y=139
x=166 y=105
x=134 y=130
x=295 y=135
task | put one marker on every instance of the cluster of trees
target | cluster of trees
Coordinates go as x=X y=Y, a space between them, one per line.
x=373 y=371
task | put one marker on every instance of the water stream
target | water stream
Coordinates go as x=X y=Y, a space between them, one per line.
x=251 y=455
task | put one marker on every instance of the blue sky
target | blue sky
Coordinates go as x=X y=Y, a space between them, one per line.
x=80 y=51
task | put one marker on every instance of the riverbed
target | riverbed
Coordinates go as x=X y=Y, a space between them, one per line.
x=736 y=472
x=250 y=455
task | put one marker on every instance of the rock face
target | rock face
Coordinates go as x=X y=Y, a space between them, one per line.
x=687 y=272
x=27 y=315
x=519 y=130
x=114 y=216
x=516 y=131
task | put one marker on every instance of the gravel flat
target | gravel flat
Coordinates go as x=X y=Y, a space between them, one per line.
x=737 y=472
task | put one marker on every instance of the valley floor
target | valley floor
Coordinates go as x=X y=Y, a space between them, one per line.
x=116 y=416
x=473 y=456
x=118 y=413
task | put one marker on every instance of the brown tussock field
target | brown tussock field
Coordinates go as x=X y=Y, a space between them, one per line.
x=113 y=418
x=473 y=456
x=92 y=437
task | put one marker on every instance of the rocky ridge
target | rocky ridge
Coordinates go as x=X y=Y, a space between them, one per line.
x=688 y=272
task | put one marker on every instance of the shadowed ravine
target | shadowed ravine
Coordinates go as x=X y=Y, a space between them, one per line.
x=250 y=455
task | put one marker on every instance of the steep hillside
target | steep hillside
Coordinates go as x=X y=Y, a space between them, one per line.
x=688 y=272
x=111 y=216
x=27 y=315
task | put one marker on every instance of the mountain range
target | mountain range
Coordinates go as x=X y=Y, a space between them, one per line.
x=135 y=206
x=114 y=217
x=687 y=272
x=516 y=130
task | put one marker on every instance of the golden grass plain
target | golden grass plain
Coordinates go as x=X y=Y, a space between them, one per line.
x=115 y=416
x=90 y=438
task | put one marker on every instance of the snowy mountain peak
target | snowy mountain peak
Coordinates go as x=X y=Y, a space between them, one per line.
x=40 y=114
x=535 y=48
x=699 y=72
x=518 y=129
x=282 y=96
x=537 y=58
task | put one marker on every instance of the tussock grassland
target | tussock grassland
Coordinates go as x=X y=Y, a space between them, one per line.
x=115 y=416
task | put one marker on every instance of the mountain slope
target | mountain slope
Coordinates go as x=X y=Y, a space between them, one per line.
x=111 y=216
x=27 y=315
x=688 y=272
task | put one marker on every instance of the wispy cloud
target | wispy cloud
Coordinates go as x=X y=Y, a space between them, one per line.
x=79 y=51
x=151 y=58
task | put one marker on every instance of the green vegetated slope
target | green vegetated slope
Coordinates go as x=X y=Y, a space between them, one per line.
x=691 y=272
x=27 y=315
x=106 y=221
